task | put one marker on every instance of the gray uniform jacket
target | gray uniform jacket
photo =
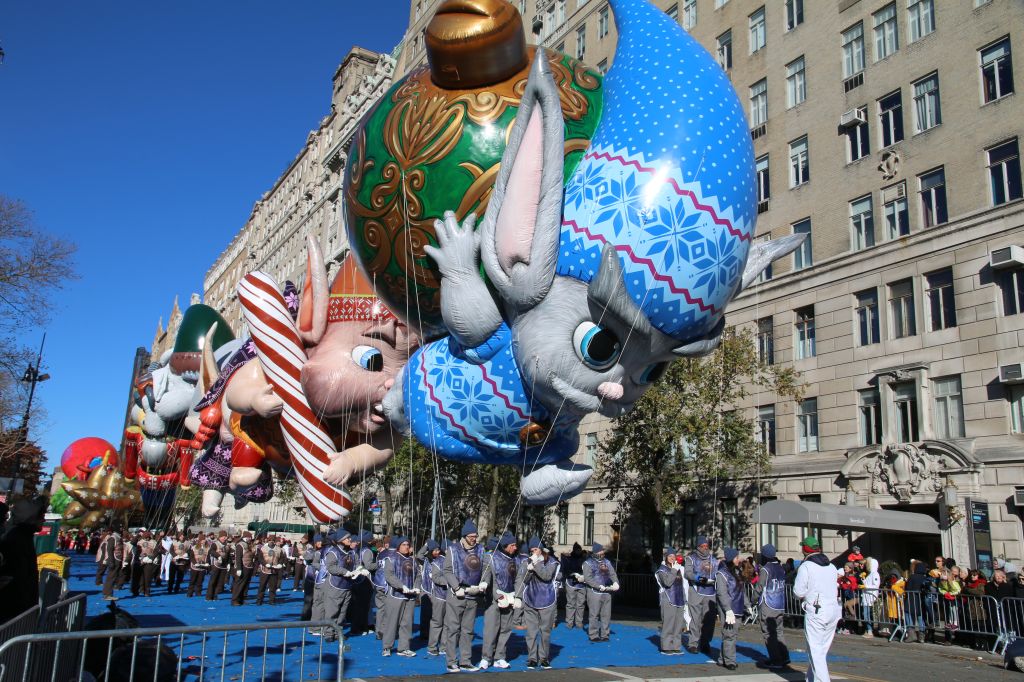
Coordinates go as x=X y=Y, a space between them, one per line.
x=591 y=581
x=334 y=567
x=691 y=575
x=368 y=559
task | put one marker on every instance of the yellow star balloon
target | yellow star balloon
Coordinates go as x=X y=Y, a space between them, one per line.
x=105 y=489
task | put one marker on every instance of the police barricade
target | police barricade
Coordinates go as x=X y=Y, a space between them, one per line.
x=1012 y=611
x=638 y=590
x=264 y=652
x=979 y=616
x=24 y=624
x=67 y=615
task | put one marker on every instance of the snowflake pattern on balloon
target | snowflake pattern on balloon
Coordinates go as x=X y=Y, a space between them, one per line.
x=472 y=406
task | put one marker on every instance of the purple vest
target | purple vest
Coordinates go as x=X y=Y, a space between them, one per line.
x=379 y=581
x=504 y=568
x=468 y=564
x=404 y=568
x=774 y=594
x=674 y=594
x=432 y=567
x=737 y=602
x=703 y=568
x=599 y=570
x=541 y=594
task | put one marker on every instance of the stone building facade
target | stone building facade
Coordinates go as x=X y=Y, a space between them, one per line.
x=890 y=132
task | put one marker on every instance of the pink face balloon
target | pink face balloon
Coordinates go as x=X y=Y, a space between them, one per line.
x=84 y=455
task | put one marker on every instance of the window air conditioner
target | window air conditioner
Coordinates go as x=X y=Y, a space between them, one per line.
x=1007 y=257
x=1018 y=496
x=894 y=192
x=1011 y=374
x=853 y=117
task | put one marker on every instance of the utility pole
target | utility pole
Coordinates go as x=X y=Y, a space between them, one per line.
x=32 y=377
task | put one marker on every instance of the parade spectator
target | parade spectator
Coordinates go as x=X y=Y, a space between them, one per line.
x=918 y=587
x=870 y=582
x=894 y=586
x=18 y=557
x=973 y=612
x=949 y=589
x=1008 y=567
x=848 y=592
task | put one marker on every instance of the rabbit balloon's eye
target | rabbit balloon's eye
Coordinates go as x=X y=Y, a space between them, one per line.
x=369 y=358
x=652 y=373
x=596 y=346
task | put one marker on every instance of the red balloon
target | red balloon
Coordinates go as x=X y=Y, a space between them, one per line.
x=84 y=455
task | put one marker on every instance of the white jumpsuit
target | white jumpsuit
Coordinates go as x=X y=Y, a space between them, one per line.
x=817 y=585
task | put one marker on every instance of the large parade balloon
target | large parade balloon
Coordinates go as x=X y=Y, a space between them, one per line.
x=598 y=274
x=434 y=143
x=84 y=455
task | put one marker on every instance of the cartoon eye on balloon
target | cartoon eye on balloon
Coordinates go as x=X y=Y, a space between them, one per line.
x=369 y=358
x=652 y=373
x=596 y=346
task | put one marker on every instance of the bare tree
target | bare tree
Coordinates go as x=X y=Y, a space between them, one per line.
x=33 y=267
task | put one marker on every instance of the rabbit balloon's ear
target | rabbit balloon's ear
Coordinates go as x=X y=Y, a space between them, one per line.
x=520 y=232
x=763 y=254
x=312 y=320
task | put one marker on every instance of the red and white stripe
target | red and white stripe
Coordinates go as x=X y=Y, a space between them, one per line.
x=282 y=355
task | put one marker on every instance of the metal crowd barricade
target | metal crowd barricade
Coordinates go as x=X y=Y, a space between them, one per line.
x=24 y=624
x=264 y=652
x=637 y=589
x=1012 y=612
x=67 y=615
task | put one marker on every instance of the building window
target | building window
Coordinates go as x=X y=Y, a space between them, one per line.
x=720 y=3
x=590 y=449
x=730 y=521
x=812 y=531
x=689 y=13
x=858 y=142
x=561 y=48
x=803 y=257
x=563 y=524
x=867 y=317
x=933 y=197
x=764 y=185
x=673 y=13
x=921 y=17
x=766 y=341
x=803 y=341
x=887 y=35
x=1015 y=394
x=759 y=103
x=870 y=417
x=799 y=162
x=890 y=115
x=769 y=531
x=853 y=50
x=603 y=22
x=901 y=309
x=691 y=525
x=905 y=404
x=766 y=427
x=1011 y=285
x=796 y=82
x=949 y=408
x=588 y=524
x=757 y=33
x=941 y=301
x=560 y=13
x=862 y=224
x=549 y=23
x=724 y=51
x=602 y=65
x=581 y=42
x=927 y=112
x=897 y=220
x=794 y=13
x=807 y=426
x=1004 y=172
x=996 y=71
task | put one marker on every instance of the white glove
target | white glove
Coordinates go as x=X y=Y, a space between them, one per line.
x=472 y=590
x=146 y=560
x=406 y=590
x=678 y=567
x=348 y=574
x=238 y=573
x=517 y=603
x=578 y=576
x=614 y=587
x=461 y=592
x=277 y=566
x=536 y=558
x=730 y=618
x=529 y=567
x=362 y=571
x=483 y=586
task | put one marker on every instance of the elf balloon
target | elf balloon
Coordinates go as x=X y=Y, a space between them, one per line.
x=594 y=284
x=331 y=368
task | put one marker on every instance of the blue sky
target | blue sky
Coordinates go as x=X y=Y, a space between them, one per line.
x=144 y=132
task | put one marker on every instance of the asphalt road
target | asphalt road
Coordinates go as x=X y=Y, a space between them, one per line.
x=863 y=661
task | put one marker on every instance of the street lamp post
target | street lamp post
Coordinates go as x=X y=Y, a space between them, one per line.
x=32 y=377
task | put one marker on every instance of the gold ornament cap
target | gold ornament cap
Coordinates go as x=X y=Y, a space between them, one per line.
x=474 y=43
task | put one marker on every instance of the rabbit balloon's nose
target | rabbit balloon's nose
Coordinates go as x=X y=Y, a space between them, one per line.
x=610 y=390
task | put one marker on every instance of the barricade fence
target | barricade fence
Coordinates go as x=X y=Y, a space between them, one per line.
x=265 y=652
x=17 y=627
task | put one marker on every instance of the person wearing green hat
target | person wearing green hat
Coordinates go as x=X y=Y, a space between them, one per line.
x=817 y=586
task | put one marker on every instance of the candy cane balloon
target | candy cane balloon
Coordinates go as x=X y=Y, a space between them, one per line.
x=282 y=355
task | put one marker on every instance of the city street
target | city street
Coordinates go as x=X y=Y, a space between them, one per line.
x=852 y=658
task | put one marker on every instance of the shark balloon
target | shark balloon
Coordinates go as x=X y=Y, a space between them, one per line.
x=598 y=274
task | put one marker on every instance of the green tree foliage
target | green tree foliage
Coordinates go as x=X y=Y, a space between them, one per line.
x=685 y=433
x=59 y=501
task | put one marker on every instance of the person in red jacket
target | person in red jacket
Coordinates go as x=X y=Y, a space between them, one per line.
x=848 y=586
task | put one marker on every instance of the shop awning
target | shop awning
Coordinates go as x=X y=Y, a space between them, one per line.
x=794 y=513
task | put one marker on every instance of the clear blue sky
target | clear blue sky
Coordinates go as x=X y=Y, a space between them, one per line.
x=144 y=132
